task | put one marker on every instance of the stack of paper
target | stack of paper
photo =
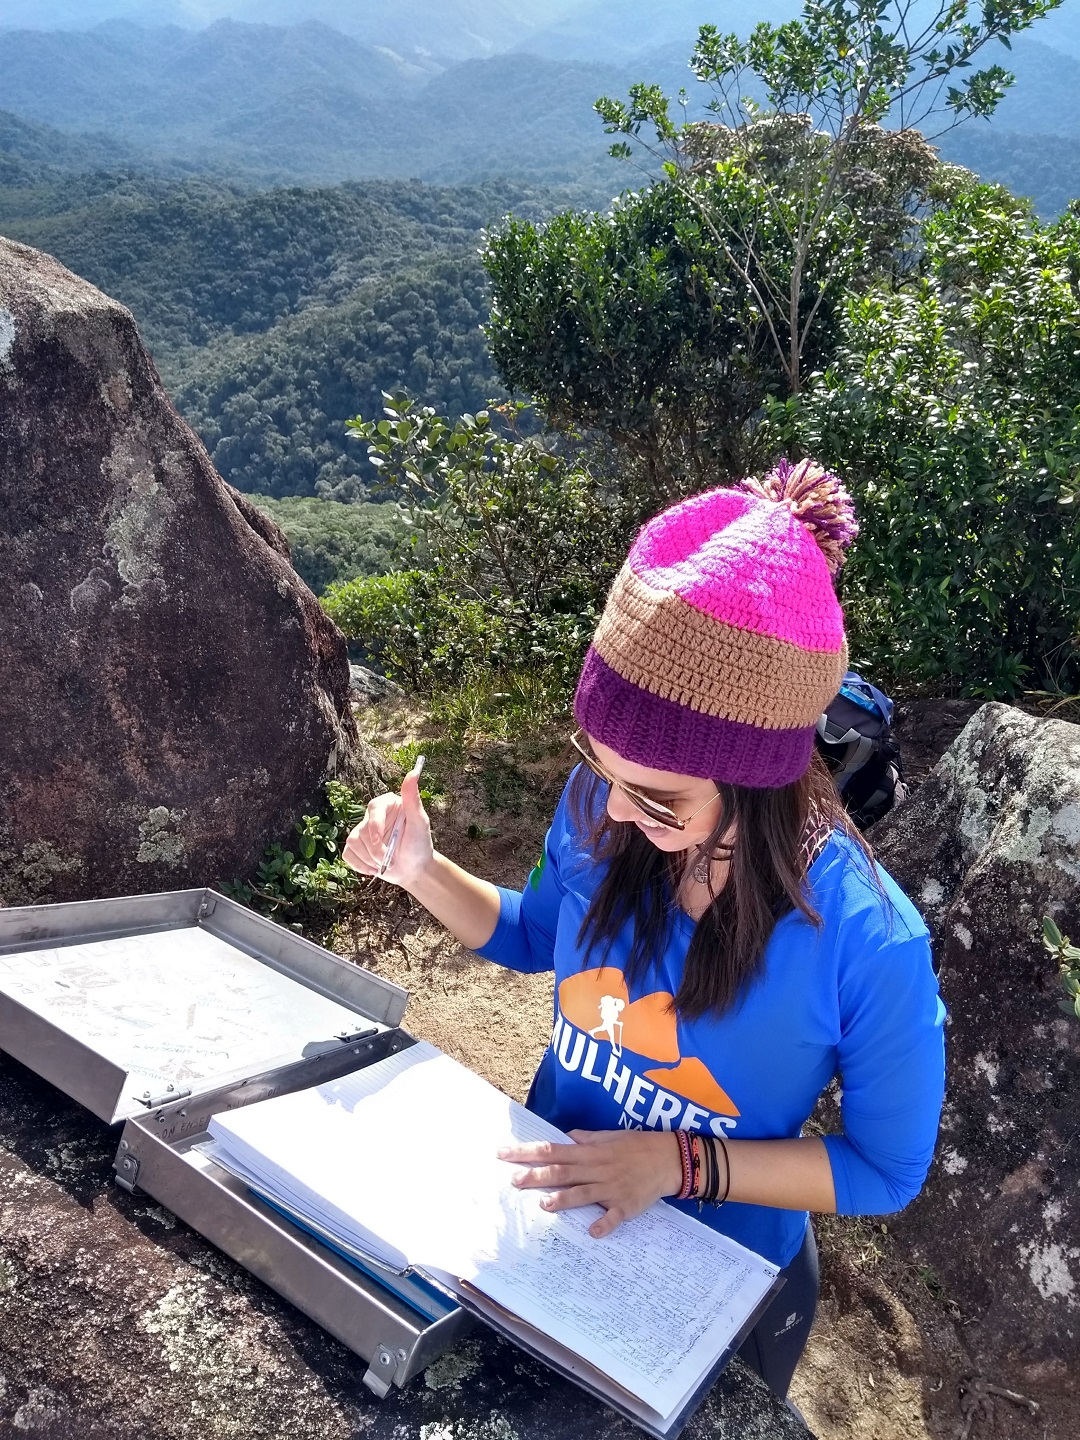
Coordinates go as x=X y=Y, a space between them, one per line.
x=399 y=1162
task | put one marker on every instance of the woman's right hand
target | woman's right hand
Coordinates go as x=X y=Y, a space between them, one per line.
x=365 y=849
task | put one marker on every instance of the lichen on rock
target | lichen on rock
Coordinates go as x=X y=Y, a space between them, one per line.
x=34 y=872
x=160 y=840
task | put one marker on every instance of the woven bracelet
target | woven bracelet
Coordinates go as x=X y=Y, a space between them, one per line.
x=687 y=1160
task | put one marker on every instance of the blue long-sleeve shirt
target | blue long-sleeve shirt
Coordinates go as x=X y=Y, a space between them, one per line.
x=857 y=998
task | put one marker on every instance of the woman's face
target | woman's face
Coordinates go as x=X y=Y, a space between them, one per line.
x=683 y=794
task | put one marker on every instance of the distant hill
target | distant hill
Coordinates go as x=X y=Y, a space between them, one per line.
x=305 y=103
x=1044 y=168
x=309 y=104
x=30 y=153
x=1046 y=97
x=432 y=32
x=148 y=84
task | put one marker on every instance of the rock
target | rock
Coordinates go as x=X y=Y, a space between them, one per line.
x=117 y=1322
x=368 y=687
x=988 y=845
x=173 y=694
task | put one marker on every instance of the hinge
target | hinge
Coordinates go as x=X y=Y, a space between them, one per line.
x=350 y=1038
x=128 y=1174
x=384 y=1369
x=344 y=1037
x=152 y=1102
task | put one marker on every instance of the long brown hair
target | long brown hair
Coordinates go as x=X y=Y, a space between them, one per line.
x=766 y=880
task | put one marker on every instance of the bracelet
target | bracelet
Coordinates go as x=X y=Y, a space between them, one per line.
x=686 y=1159
x=710 y=1191
x=713 y=1186
x=727 y=1171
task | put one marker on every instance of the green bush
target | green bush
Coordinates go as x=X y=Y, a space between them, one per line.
x=953 y=408
x=388 y=616
x=515 y=547
x=632 y=323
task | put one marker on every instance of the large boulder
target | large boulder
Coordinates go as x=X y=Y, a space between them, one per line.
x=172 y=693
x=986 y=847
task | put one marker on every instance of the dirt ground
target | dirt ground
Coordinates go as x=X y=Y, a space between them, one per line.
x=886 y=1360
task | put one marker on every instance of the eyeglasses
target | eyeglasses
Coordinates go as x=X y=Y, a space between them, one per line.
x=649 y=807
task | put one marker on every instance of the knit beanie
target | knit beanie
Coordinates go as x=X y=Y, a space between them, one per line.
x=722 y=640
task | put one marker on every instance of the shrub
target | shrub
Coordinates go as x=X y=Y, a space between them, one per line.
x=302 y=884
x=517 y=546
x=952 y=408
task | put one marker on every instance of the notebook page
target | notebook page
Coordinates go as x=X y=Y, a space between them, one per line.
x=653 y=1305
x=405 y=1150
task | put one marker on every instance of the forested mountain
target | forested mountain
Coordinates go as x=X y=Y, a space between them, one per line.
x=147 y=81
x=31 y=154
x=1044 y=167
x=272 y=410
x=309 y=104
x=274 y=316
x=276 y=313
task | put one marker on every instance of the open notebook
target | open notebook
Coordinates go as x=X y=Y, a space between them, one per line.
x=397 y=1162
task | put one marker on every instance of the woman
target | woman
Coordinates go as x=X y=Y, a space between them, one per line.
x=723 y=945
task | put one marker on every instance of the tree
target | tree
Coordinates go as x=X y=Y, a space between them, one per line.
x=826 y=80
x=637 y=323
x=950 y=406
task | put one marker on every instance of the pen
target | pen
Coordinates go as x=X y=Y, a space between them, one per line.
x=399 y=824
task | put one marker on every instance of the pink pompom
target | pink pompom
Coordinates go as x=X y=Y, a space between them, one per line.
x=817 y=498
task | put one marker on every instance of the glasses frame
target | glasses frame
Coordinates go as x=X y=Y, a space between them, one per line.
x=650 y=808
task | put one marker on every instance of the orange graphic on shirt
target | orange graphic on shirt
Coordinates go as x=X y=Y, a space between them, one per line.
x=598 y=1002
x=693 y=1080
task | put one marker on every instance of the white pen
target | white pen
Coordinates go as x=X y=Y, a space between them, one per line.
x=399 y=824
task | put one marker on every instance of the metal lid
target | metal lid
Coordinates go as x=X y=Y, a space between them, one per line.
x=127 y=1004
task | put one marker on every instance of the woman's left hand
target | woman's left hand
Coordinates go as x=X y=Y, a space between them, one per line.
x=625 y=1171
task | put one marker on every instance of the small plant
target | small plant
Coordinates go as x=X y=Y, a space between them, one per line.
x=1067 y=956
x=299 y=884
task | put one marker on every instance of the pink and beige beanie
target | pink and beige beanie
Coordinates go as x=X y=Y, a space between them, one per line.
x=722 y=640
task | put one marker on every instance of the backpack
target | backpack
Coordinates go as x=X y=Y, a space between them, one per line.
x=855 y=739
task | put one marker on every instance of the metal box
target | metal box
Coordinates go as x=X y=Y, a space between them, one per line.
x=160 y=1010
